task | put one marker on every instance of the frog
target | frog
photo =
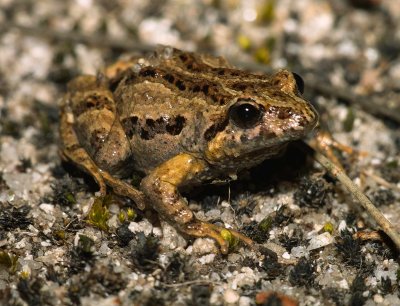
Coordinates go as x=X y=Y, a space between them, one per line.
x=181 y=119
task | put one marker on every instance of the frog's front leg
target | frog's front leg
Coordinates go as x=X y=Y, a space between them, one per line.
x=161 y=187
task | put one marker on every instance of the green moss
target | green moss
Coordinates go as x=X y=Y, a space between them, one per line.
x=348 y=122
x=131 y=213
x=69 y=197
x=122 y=216
x=59 y=234
x=99 y=214
x=262 y=55
x=228 y=237
x=9 y=261
x=266 y=12
x=328 y=227
x=265 y=224
x=244 y=42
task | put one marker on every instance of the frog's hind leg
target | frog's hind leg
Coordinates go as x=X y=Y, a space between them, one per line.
x=71 y=151
x=107 y=149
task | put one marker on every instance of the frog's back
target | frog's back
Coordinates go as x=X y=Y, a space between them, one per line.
x=178 y=101
x=166 y=109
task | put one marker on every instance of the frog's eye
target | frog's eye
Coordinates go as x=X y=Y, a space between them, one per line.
x=299 y=82
x=245 y=114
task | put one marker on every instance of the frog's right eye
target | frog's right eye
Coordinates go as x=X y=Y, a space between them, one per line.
x=245 y=114
x=299 y=82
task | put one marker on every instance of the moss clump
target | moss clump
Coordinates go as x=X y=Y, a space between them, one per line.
x=9 y=261
x=231 y=239
x=266 y=12
x=303 y=273
x=99 y=215
x=328 y=227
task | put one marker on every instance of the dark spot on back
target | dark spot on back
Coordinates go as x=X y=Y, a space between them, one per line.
x=239 y=86
x=191 y=85
x=169 y=77
x=148 y=72
x=180 y=85
x=151 y=128
x=205 y=88
x=183 y=57
x=144 y=134
x=97 y=138
x=130 y=126
x=150 y=123
x=73 y=147
x=92 y=102
x=221 y=71
x=175 y=126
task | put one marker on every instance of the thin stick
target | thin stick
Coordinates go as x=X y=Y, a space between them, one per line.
x=193 y=282
x=375 y=213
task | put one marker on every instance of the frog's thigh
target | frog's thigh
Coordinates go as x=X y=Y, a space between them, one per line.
x=97 y=125
x=72 y=151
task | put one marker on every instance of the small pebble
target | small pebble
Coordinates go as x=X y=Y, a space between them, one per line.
x=231 y=296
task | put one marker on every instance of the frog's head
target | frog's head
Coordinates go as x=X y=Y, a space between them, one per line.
x=261 y=121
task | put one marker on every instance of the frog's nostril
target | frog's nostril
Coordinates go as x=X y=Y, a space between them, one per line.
x=281 y=112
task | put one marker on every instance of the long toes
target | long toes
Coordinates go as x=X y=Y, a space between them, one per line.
x=218 y=233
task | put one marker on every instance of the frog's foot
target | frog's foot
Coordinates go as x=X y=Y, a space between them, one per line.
x=198 y=228
x=325 y=143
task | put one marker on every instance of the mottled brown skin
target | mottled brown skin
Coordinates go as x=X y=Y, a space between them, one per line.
x=181 y=119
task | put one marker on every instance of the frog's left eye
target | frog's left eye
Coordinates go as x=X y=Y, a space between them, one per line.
x=245 y=114
x=299 y=82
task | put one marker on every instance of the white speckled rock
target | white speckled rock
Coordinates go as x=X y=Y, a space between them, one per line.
x=203 y=246
x=320 y=241
x=231 y=296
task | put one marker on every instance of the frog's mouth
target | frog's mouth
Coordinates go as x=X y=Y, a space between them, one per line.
x=267 y=151
x=252 y=158
x=271 y=139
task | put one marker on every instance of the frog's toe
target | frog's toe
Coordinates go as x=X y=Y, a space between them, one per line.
x=218 y=233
